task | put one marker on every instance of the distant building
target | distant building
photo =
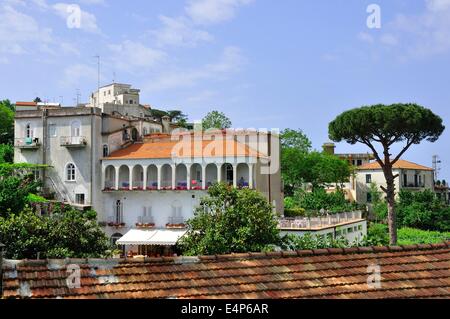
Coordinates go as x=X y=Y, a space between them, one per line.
x=411 y=177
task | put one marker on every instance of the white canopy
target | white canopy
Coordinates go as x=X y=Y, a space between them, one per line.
x=163 y=237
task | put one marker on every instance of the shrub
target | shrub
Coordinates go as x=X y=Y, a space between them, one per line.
x=294 y=212
x=309 y=241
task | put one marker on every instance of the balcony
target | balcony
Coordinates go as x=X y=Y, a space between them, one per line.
x=73 y=141
x=145 y=222
x=176 y=223
x=27 y=143
x=307 y=223
x=116 y=221
x=414 y=185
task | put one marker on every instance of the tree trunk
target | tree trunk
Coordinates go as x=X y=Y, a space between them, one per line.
x=390 y=199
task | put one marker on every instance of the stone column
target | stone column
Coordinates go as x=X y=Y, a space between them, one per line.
x=234 y=175
x=174 y=175
x=158 y=175
x=219 y=172
x=103 y=177
x=144 y=178
x=117 y=177
x=188 y=175
x=130 y=168
x=203 y=176
x=250 y=176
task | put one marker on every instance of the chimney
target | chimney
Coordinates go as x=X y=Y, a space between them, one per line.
x=166 y=123
x=328 y=148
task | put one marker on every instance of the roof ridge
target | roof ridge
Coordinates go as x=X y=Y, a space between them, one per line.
x=237 y=256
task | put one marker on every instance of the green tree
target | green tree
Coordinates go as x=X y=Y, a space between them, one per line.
x=230 y=220
x=216 y=120
x=387 y=125
x=6 y=122
x=6 y=153
x=67 y=234
x=178 y=117
x=14 y=191
x=295 y=139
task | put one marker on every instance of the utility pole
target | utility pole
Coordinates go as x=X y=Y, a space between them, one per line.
x=98 y=78
x=78 y=97
x=436 y=166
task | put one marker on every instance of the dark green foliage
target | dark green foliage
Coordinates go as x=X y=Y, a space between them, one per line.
x=14 y=191
x=6 y=122
x=308 y=241
x=230 y=220
x=390 y=123
x=6 y=153
x=422 y=210
x=319 y=199
x=70 y=233
x=377 y=235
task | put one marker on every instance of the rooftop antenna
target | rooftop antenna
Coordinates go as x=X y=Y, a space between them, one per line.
x=98 y=77
x=436 y=166
x=78 y=96
x=114 y=77
x=61 y=98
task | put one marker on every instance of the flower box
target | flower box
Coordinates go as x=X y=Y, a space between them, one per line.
x=169 y=225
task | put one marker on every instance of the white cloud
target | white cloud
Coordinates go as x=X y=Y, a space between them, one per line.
x=179 y=32
x=366 y=37
x=88 y=21
x=130 y=56
x=21 y=33
x=421 y=35
x=93 y=2
x=230 y=62
x=73 y=75
x=206 y=12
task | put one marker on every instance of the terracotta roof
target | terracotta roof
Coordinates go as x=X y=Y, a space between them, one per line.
x=26 y=104
x=180 y=149
x=400 y=164
x=418 y=271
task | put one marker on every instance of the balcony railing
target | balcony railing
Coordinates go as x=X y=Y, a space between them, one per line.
x=27 y=142
x=73 y=141
x=414 y=185
x=318 y=222
x=145 y=222
x=176 y=222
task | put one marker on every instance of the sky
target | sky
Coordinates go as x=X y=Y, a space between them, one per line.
x=265 y=64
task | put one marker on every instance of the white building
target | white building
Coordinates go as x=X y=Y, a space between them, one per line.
x=130 y=170
x=411 y=177
x=349 y=225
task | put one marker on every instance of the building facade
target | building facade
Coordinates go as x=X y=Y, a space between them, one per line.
x=137 y=172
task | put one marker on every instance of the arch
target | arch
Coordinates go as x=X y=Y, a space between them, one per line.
x=138 y=177
x=152 y=177
x=110 y=177
x=210 y=174
x=181 y=176
x=242 y=175
x=124 y=177
x=196 y=176
x=115 y=237
x=70 y=172
x=75 y=128
x=227 y=173
x=166 y=177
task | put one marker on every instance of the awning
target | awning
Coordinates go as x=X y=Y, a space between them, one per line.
x=163 y=237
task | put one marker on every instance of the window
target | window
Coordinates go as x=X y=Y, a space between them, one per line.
x=119 y=210
x=70 y=172
x=131 y=101
x=105 y=150
x=115 y=238
x=405 y=180
x=360 y=227
x=338 y=233
x=76 y=128
x=52 y=130
x=369 y=197
x=359 y=162
x=368 y=178
x=104 y=93
x=350 y=230
x=109 y=92
x=28 y=131
x=79 y=199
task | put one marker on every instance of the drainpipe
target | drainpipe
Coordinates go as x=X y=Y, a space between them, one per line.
x=44 y=142
x=2 y=249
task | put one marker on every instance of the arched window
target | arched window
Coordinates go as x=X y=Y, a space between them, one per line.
x=105 y=150
x=29 y=130
x=115 y=238
x=70 y=172
x=76 y=128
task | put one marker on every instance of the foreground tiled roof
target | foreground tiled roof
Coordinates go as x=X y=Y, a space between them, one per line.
x=419 y=271
x=400 y=164
x=169 y=149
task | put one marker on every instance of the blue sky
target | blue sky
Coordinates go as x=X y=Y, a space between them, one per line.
x=266 y=64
